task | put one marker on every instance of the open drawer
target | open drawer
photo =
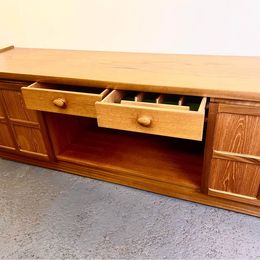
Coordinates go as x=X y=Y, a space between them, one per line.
x=150 y=113
x=73 y=100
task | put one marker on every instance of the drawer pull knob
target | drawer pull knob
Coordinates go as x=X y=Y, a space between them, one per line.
x=60 y=102
x=144 y=121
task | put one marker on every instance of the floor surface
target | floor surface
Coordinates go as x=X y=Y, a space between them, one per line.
x=49 y=214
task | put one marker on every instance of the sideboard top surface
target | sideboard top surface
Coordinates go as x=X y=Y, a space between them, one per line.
x=212 y=76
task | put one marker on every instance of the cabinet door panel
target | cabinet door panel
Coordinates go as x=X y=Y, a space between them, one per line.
x=2 y=116
x=238 y=134
x=22 y=126
x=15 y=106
x=30 y=140
x=6 y=140
x=235 y=180
x=234 y=163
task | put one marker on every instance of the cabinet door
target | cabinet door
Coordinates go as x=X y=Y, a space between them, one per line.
x=6 y=140
x=234 y=171
x=15 y=107
x=29 y=140
x=24 y=124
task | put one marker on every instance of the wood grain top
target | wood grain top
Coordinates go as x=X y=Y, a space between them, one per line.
x=213 y=76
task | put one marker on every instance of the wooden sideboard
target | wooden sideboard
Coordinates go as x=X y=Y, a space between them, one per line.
x=186 y=126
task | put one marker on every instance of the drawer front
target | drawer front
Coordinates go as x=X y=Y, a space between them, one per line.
x=150 y=119
x=45 y=97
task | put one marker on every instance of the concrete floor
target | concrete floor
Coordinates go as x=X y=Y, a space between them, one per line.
x=48 y=214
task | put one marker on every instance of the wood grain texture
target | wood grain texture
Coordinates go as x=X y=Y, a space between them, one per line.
x=6 y=140
x=231 y=162
x=166 y=122
x=153 y=157
x=208 y=150
x=16 y=108
x=236 y=157
x=238 y=103
x=124 y=158
x=22 y=130
x=241 y=110
x=201 y=75
x=237 y=134
x=70 y=127
x=236 y=180
x=234 y=196
x=2 y=115
x=29 y=139
x=42 y=96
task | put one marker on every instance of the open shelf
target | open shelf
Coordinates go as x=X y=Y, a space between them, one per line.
x=171 y=160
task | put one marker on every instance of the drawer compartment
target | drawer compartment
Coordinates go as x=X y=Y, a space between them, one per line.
x=150 y=113
x=72 y=100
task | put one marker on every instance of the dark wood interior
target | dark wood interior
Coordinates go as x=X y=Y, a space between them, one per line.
x=81 y=141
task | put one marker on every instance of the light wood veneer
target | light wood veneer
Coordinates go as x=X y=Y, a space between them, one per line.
x=63 y=99
x=21 y=129
x=226 y=173
x=234 y=164
x=201 y=75
x=150 y=118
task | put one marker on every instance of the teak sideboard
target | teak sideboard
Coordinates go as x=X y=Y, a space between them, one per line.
x=186 y=126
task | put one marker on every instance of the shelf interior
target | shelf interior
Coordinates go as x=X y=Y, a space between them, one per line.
x=165 y=159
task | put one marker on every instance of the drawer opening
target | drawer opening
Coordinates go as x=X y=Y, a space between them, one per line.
x=153 y=113
x=80 y=141
x=159 y=100
x=69 y=88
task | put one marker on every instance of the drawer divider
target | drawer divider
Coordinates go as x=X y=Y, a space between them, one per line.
x=202 y=105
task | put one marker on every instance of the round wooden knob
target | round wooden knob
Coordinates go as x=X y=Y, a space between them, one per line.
x=60 y=102
x=144 y=121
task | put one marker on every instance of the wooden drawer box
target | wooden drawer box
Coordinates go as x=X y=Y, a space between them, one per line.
x=70 y=100
x=165 y=116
